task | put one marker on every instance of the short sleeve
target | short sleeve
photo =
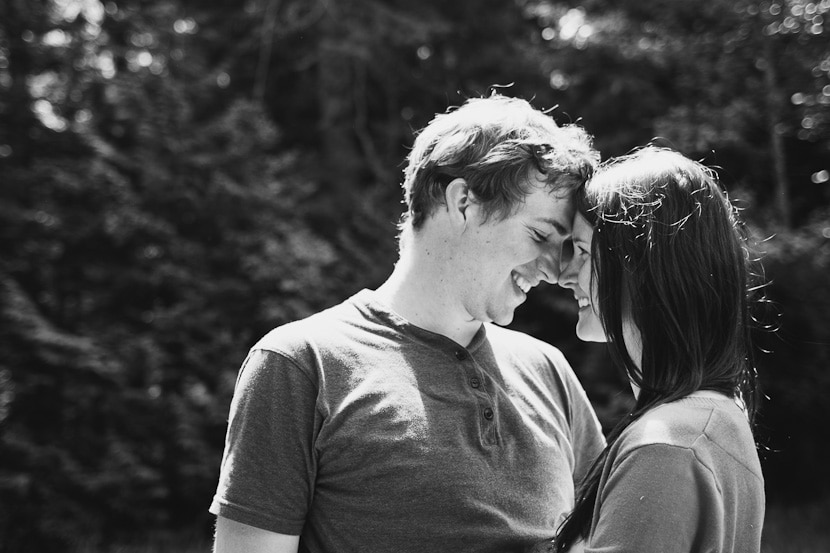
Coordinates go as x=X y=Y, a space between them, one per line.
x=659 y=498
x=268 y=467
x=586 y=431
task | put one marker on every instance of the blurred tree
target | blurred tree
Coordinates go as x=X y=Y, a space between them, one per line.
x=744 y=85
x=794 y=375
x=147 y=240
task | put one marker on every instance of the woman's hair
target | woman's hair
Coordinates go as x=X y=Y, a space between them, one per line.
x=670 y=254
x=494 y=143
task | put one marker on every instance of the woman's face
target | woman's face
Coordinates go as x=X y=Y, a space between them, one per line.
x=576 y=276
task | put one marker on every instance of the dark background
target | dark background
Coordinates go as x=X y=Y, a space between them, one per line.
x=178 y=177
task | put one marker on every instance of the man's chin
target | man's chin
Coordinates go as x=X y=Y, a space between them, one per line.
x=504 y=319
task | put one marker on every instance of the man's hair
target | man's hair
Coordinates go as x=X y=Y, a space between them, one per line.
x=495 y=144
x=669 y=251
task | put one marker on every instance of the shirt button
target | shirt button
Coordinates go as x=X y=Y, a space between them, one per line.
x=488 y=413
x=475 y=382
x=461 y=355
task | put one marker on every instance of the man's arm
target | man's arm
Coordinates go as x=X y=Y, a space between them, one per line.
x=268 y=467
x=235 y=537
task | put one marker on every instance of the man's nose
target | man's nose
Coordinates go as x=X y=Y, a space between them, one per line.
x=568 y=274
x=565 y=265
x=549 y=263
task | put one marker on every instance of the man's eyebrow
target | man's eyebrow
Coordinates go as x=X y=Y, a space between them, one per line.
x=560 y=228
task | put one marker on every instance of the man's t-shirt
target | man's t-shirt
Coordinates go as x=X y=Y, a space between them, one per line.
x=361 y=432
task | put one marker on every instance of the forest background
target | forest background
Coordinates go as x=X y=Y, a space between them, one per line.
x=178 y=177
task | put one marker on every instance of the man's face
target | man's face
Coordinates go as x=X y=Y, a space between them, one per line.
x=501 y=260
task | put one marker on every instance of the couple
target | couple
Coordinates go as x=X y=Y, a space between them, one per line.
x=403 y=420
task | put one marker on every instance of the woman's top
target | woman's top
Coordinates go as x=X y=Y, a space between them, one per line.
x=684 y=477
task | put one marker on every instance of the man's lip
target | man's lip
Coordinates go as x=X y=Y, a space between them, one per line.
x=531 y=282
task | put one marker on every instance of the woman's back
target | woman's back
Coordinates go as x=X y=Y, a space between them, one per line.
x=683 y=477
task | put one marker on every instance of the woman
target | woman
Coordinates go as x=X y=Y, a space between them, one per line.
x=661 y=271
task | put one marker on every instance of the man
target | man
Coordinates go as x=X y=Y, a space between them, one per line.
x=402 y=420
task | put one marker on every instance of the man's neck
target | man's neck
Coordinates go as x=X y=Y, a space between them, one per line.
x=421 y=290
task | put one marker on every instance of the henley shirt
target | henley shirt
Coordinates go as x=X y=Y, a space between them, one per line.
x=361 y=432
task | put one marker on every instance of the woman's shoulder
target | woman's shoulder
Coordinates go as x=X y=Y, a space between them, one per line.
x=683 y=422
x=704 y=424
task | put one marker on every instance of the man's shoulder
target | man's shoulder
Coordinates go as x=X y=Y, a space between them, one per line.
x=522 y=344
x=325 y=325
x=531 y=356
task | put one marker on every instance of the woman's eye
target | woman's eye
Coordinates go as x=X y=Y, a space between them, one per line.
x=539 y=237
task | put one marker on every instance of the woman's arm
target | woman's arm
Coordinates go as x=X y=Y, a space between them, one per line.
x=659 y=498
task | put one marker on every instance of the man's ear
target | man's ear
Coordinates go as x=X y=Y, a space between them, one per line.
x=459 y=199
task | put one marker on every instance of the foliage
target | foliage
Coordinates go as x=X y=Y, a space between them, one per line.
x=797 y=264
x=796 y=528
x=176 y=178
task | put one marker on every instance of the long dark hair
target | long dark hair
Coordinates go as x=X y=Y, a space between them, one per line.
x=670 y=254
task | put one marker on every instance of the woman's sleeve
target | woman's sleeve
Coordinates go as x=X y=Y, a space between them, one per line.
x=658 y=499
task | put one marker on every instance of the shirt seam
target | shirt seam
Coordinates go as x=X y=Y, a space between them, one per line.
x=688 y=449
x=728 y=453
x=285 y=356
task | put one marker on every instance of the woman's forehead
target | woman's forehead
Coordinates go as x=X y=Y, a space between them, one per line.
x=582 y=229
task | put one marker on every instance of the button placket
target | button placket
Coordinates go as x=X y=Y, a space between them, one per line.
x=473 y=379
x=486 y=408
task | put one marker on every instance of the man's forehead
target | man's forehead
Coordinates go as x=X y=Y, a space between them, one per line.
x=557 y=212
